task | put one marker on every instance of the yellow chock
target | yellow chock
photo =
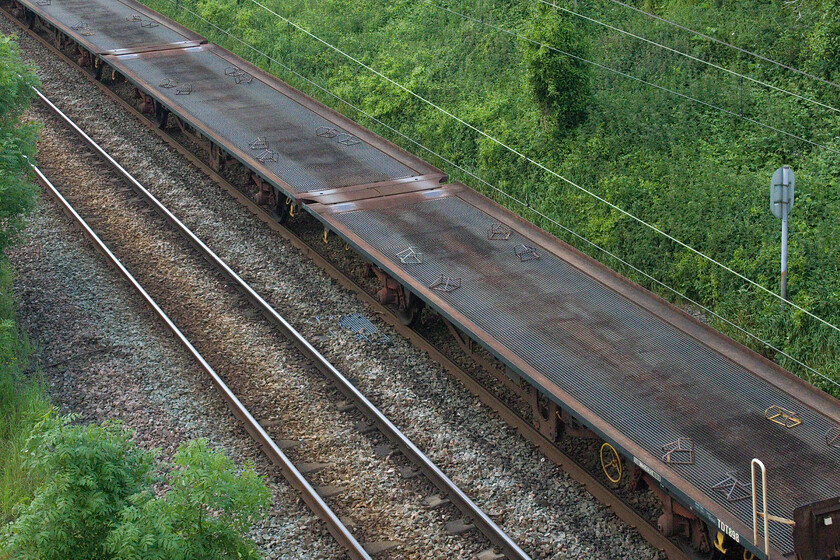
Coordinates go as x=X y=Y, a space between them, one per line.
x=719 y=538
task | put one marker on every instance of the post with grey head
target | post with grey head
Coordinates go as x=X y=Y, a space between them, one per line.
x=781 y=202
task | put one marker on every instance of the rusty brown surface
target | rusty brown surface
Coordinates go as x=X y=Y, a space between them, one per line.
x=234 y=115
x=753 y=362
x=817 y=531
x=381 y=203
x=700 y=384
x=107 y=29
x=519 y=364
x=359 y=193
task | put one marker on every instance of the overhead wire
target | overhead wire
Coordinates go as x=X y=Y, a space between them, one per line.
x=525 y=205
x=549 y=170
x=724 y=43
x=692 y=57
x=635 y=78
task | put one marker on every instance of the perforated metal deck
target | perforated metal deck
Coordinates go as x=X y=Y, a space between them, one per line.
x=291 y=140
x=113 y=26
x=646 y=379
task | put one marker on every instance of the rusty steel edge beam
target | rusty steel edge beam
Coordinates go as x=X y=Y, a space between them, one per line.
x=478 y=517
x=602 y=493
x=310 y=496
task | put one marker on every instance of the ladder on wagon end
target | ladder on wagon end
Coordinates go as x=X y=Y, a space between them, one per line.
x=758 y=465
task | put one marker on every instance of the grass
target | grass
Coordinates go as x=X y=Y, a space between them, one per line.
x=22 y=404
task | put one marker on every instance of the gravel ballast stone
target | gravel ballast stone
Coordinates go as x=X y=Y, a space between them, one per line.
x=103 y=355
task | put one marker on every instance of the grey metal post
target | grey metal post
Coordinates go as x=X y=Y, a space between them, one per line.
x=781 y=202
x=784 y=254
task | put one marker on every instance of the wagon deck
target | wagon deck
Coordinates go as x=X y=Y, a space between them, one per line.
x=641 y=373
x=113 y=26
x=295 y=143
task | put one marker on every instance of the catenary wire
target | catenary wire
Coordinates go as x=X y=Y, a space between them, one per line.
x=637 y=79
x=724 y=43
x=692 y=57
x=551 y=171
x=512 y=198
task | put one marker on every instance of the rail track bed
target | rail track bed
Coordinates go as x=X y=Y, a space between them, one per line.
x=344 y=458
x=123 y=366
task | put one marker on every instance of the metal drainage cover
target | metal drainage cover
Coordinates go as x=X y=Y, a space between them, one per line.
x=357 y=323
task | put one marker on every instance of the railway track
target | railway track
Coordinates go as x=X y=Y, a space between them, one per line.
x=473 y=382
x=228 y=366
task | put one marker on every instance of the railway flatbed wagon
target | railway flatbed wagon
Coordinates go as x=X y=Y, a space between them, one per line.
x=99 y=27
x=676 y=405
x=686 y=406
x=295 y=147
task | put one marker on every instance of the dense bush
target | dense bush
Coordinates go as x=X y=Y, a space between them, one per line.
x=17 y=141
x=22 y=403
x=560 y=82
x=207 y=510
x=824 y=43
x=97 y=500
x=89 y=474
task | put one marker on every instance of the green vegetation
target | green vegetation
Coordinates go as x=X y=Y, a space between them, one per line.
x=88 y=472
x=692 y=170
x=204 y=515
x=97 y=501
x=22 y=402
x=17 y=142
x=560 y=83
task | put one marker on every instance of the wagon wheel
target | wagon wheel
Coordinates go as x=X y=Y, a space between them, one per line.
x=283 y=208
x=611 y=463
x=410 y=313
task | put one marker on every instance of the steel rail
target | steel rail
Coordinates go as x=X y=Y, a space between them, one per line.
x=569 y=465
x=437 y=477
x=310 y=496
